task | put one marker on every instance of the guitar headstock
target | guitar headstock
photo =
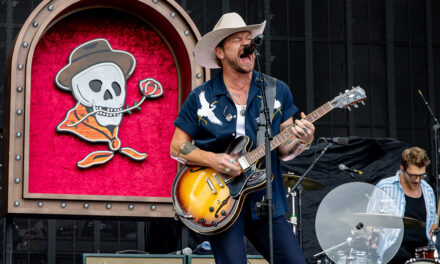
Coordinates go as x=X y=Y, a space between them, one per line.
x=349 y=97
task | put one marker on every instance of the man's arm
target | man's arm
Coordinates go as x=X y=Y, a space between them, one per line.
x=298 y=143
x=183 y=150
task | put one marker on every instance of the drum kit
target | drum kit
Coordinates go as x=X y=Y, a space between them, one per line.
x=356 y=223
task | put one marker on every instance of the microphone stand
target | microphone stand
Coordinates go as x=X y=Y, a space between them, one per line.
x=435 y=127
x=268 y=157
x=300 y=190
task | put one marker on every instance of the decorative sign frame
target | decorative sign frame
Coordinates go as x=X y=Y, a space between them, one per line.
x=179 y=34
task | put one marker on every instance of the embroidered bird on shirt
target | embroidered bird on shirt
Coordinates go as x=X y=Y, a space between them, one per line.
x=207 y=111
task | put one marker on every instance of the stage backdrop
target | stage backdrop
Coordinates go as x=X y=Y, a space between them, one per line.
x=94 y=89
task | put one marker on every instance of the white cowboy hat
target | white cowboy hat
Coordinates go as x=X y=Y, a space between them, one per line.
x=228 y=24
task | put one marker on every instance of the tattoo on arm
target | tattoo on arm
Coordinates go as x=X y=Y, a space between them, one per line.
x=294 y=148
x=287 y=143
x=185 y=148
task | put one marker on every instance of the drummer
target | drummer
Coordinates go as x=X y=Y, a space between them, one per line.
x=414 y=198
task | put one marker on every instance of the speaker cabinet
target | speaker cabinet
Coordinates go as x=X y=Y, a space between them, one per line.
x=132 y=259
x=209 y=259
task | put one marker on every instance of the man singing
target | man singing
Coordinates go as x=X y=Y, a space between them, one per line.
x=224 y=108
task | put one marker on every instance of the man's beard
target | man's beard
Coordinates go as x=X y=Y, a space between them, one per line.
x=237 y=67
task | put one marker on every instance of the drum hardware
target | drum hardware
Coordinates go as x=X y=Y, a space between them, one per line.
x=300 y=187
x=321 y=258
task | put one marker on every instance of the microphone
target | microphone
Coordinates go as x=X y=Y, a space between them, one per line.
x=342 y=167
x=255 y=42
x=186 y=251
x=337 y=140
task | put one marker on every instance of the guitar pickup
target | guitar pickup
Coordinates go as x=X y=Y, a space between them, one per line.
x=211 y=186
x=218 y=180
x=244 y=164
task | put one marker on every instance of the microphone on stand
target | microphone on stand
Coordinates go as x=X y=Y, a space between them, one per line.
x=251 y=47
x=342 y=167
x=337 y=140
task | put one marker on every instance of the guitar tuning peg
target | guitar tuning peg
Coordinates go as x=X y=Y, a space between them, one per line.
x=346 y=91
x=355 y=105
x=349 y=109
x=362 y=102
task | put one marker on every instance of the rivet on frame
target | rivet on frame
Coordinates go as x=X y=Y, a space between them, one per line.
x=19 y=112
x=17 y=180
x=199 y=75
x=130 y=206
x=20 y=66
x=50 y=8
x=173 y=15
x=16 y=203
x=63 y=205
x=25 y=44
x=153 y=207
x=40 y=204
x=155 y=1
x=18 y=157
x=35 y=24
x=186 y=32
x=19 y=89
x=86 y=205
x=18 y=134
x=108 y=206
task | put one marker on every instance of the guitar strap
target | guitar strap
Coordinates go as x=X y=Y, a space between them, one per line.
x=271 y=90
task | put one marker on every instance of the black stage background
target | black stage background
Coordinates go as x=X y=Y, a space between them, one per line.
x=319 y=48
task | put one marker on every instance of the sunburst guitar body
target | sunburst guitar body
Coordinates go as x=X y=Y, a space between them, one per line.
x=207 y=201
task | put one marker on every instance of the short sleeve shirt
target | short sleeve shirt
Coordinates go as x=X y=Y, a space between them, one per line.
x=209 y=116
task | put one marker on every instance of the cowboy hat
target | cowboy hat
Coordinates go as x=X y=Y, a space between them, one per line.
x=91 y=53
x=228 y=24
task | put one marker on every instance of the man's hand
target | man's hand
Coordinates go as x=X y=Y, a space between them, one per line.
x=304 y=130
x=225 y=164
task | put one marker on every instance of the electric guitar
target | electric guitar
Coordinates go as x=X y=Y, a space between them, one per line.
x=209 y=202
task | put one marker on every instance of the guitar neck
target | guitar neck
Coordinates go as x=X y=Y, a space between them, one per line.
x=286 y=134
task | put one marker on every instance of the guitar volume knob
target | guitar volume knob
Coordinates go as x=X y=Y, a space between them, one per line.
x=211 y=209
x=202 y=220
x=223 y=212
x=214 y=223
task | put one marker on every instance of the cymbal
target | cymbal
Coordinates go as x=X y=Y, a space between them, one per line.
x=307 y=183
x=409 y=222
x=382 y=220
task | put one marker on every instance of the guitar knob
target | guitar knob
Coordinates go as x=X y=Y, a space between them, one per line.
x=211 y=209
x=223 y=212
x=202 y=220
x=214 y=223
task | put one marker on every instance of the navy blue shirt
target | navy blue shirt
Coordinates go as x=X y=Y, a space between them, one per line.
x=203 y=117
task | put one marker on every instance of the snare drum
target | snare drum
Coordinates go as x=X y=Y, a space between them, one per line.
x=425 y=252
x=357 y=257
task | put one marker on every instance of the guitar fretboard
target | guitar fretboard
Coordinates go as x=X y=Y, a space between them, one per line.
x=286 y=134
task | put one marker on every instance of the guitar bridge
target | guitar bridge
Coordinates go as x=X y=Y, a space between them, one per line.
x=244 y=164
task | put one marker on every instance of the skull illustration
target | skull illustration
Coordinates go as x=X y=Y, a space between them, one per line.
x=102 y=89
